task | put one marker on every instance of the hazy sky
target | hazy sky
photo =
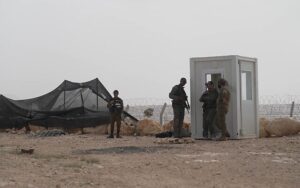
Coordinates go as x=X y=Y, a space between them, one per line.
x=143 y=47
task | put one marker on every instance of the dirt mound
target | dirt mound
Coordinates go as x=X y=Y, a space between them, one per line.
x=99 y=130
x=35 y=128
x=186 y=130
x=279 y=127
x=263 y=122
x=126 y=129
x=169 y=126
x=283 y=127
x=147 y=127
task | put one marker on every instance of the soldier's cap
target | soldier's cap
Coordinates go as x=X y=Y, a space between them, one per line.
x=116 y=91
x=209 y=83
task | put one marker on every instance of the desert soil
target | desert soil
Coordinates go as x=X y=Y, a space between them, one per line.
x=91 y=160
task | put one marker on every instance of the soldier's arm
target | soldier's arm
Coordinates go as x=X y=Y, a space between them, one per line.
x=109 y=104
x=203 y=97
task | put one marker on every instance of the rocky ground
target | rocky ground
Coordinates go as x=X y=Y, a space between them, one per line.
x=91 y=160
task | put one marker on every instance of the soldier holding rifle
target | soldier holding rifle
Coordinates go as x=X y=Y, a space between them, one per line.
x=179 y=103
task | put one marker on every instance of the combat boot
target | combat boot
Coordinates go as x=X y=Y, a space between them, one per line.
x=227 y=135
x=205 y=135
x=110 y=136
x=222 y=138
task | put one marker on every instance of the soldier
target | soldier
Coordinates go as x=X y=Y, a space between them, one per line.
x=209 y=99
x=222 y=108
x=179 y=104
x=115 y=106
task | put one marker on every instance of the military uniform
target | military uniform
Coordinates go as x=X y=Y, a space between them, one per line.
x=115 y=106
x=222 y=109
x=209 y=99
x=179 y=104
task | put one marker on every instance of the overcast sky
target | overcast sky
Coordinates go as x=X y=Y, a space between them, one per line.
x=143 y=47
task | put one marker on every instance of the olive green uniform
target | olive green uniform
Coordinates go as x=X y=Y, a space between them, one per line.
x=209 y=99
x=179 y=104
x=115 y=106
x=222 y=109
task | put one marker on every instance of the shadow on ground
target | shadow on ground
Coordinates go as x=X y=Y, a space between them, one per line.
x=123 y=150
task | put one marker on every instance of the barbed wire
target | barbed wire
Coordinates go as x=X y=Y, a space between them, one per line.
x=269 y=107
x=279 y=99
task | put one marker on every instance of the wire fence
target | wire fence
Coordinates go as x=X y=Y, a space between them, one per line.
x=269 y=107
x=279 y=106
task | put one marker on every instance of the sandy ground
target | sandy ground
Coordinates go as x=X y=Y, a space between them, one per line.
x=93 y=161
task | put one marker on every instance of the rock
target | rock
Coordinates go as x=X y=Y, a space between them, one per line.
x=174 y=141
x=27 y=151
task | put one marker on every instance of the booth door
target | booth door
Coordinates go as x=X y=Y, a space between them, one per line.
x=248 y=119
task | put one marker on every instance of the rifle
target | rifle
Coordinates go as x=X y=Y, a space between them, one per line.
x=187 y=106
x=126 y=114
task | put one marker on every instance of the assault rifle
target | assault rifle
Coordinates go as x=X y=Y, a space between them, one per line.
x=187 y=106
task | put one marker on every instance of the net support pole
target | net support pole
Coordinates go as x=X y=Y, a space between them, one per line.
x=97 y=94
x=82 y=101
x=65 y=94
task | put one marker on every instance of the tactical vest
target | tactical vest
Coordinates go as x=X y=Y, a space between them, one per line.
x=117 y=105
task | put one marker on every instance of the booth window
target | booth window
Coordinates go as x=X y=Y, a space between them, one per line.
x=214 y=77
x=246 y=85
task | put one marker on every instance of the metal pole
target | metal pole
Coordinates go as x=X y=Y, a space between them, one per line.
x=292 y=109
x=65 y=95
x=82 y=102
x=97 y=94
x=162 y=113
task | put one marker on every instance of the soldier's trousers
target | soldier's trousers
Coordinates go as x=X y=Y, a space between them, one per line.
x=115 y=118
x=221 y=120
x=208 y=121
x=178 y=111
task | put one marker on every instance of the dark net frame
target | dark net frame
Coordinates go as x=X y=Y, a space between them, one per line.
x=70 y=105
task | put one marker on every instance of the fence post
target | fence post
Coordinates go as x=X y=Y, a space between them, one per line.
x=162 y=113
x=292 y=109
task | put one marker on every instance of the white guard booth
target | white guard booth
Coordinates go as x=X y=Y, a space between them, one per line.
x=241 y=74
